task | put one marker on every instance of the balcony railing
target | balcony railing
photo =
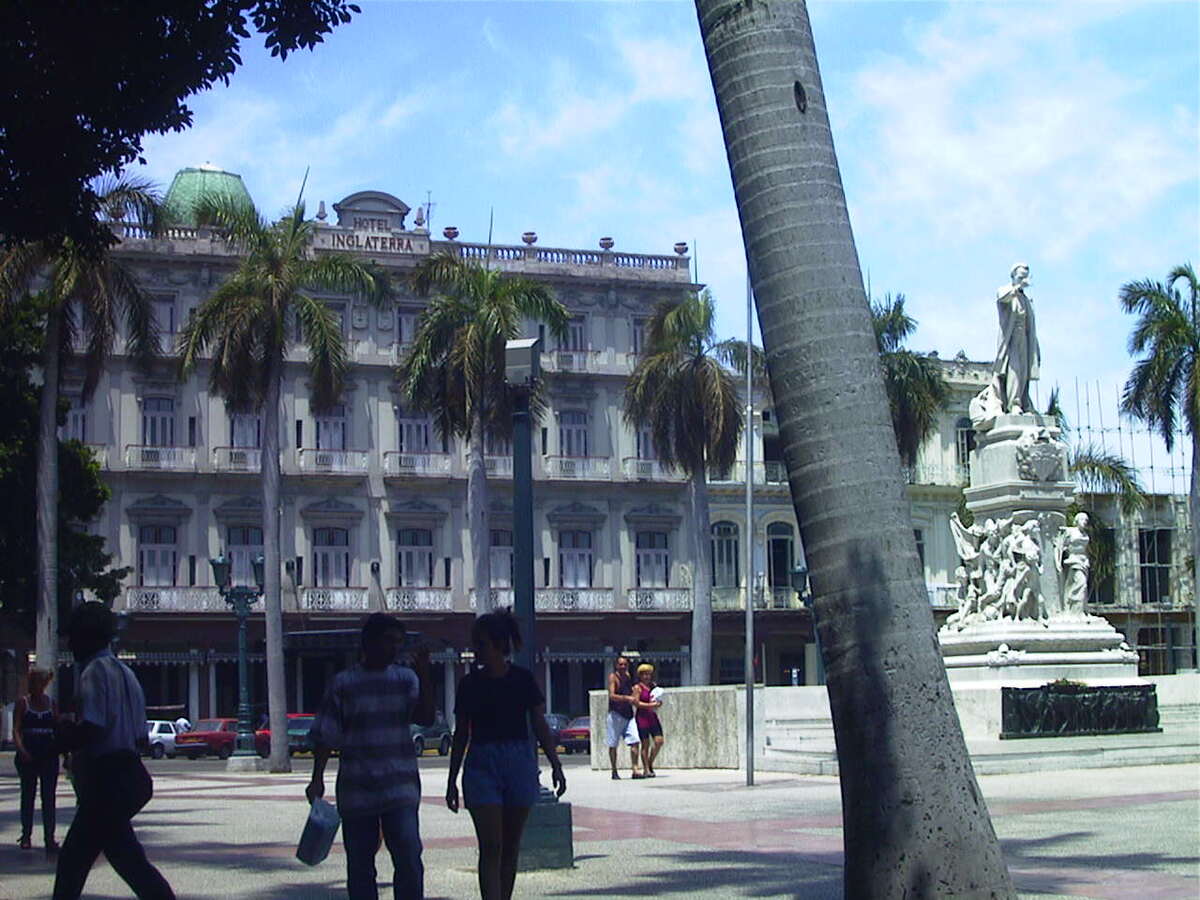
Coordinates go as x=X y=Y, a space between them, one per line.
x=578 y=467
x=344 y=599
x=573 y=599
x=659 y=599
x=165 y=459
x=770 y=598
x=950 y=476
x=399 y=463
x=500 y=596
x=943 y=596
x=337 y=462
x=649 y=470
x=174 y=599
x=411 y=599
x=575 y=360
x=771 y=474
x=498 y=466
x=237 y=459
x=521 y=256
x=776 y=472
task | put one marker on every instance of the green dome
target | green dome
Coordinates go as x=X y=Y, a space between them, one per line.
x=189 y=185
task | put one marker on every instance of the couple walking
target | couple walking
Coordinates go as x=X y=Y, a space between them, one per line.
x=633 y=717
x=366 y=715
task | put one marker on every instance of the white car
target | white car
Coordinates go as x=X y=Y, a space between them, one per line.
x=161 y=735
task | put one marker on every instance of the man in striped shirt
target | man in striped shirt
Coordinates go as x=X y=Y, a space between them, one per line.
x=366 y=715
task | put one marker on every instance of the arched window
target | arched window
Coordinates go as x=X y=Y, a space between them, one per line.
x=781 y=555
x=725 y=555
x=414 y=548
x=156 y=555
x=964 y=443
x=331 y=557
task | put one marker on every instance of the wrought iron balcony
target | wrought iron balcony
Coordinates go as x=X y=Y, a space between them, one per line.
x=397 y=463
x=237 y=459
x=335 y=462
x=411 y=599
x=573 y=599
x=659 y=599
x=578 y=468
x=160 y=459
x=930 y=474
x=500 y=596
x=174 y=599
x=639 y=469
x=343 y=599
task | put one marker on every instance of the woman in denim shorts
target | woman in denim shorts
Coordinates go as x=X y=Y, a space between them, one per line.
x=494 y=708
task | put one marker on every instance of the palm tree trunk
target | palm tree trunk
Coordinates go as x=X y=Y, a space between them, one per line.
x=702 y=580
x=46 y=640
x=915 y=823
x=272 y=595
x=477 y=518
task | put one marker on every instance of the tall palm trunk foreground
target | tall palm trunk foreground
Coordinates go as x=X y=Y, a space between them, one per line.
x=277 y=706
x=915 y=823
x=702 y=582
x=46 y=635
x=477 y=518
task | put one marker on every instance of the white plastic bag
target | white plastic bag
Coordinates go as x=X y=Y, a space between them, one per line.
x=656 y=695
x=319 y=832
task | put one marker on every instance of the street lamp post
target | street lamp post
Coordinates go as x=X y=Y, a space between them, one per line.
x=522 y=368
x=240 y=598
x=800 y=585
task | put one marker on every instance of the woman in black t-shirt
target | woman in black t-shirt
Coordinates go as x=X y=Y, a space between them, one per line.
x=494 y=708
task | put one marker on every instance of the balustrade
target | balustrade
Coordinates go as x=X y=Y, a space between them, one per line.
x=410 y=599
x=649 y=470
x=659 y=599
x=397 y=462
x=943 y=596
x=237 y=459
x=573 y=599
x=174 y=599
x=347 y=599
x=338 y=462
x=578 y=467
x=498 y=596
x=171 y=459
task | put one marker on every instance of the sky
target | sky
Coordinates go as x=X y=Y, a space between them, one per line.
x=970 y=136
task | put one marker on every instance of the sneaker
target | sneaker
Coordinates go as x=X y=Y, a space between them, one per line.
x=615 y=776
x=637 y=775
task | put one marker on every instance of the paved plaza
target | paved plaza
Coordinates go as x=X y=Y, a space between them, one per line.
x=1098 y=833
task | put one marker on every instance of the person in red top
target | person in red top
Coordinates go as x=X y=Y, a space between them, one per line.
x=648 y=702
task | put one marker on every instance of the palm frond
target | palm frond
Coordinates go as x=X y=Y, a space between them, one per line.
x=893 y=326
x=1099 y=472
x=1055 y=411
x=326 y=349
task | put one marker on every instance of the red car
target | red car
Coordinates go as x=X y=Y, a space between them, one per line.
x=297 y=731
x=215 y=736
x=577 y=736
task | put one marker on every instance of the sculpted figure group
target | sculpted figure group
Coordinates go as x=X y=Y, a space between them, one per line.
x=1001 y=571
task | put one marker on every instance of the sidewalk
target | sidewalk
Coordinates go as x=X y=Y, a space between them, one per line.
x=1099 y=833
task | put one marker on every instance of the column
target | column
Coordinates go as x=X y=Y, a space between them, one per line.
x=193 y=703
x=685 y=665
x=575 y=694
x=448 y=687
x=164 y=684
x=212 y=688
x=812 y=664
x=300 y=684
x=549 y=682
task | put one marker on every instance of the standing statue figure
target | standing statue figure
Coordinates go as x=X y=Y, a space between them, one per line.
x=1018 y=357
x=1071 y=554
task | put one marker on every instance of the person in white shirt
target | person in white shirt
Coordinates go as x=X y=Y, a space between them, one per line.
x=105 y=733
x=182 y=725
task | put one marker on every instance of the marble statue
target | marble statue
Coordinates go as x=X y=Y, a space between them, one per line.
x=1018 y=355
x=1071 y=556
x=1001 y=571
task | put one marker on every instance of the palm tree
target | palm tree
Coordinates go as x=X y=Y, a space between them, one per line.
x=915 y=823
x=245 y=324
x=1164 y=386
x=916 y=389
x=681 y=391
x=455 y=370
x=88 y=293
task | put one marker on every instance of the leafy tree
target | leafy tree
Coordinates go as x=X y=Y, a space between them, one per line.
x=680 y=390
x=455 y=370
x=83 y=562
x=915 y=823
x=916 y=388
x=243 y=327
x=1163 y=389
x=81 y=83
x=86 y=296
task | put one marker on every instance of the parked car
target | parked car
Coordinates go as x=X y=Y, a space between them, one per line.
x=297 y=732
x=556 y=723
x=215 y=736
x=436 y=735
x=577 y=736
x=161 y=735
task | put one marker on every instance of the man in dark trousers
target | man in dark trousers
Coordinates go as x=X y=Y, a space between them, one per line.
x=367 y=713
x=104 y=736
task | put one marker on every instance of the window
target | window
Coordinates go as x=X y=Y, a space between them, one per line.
x=645 y=444
x=1102 y=588
x=573 y=433
x=1154 y=561
x=576 y=334
x=639 y=335
x=414 y=431
x=156 y=555
x=575 y=558
x=495 y=445
x=726 y=559
x=158 y=422
x=781 y=552
x=331 y=557
x=652 y=559
x=164 y=318
x=964 y=443
x=331 y=428
x=245 y=430
x=919 y=537
x=414 y=557
x=245 y=542
x=406 y=326
x=75 y=428
x=502 y=558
